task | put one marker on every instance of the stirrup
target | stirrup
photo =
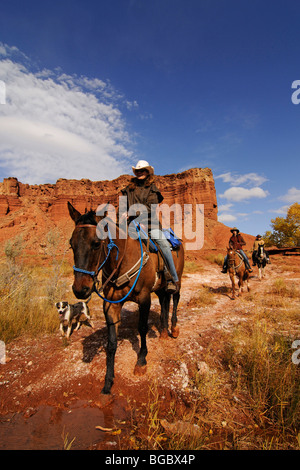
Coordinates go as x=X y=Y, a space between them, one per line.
x=172 y=287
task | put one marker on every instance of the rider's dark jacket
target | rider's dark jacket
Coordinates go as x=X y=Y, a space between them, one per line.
x=237 y=242
x=144 y=192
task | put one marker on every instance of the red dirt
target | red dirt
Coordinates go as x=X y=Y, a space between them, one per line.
x=50 y=389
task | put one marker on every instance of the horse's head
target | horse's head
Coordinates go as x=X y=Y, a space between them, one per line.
x=87 y=249
x=232 y=257
x=260 y=251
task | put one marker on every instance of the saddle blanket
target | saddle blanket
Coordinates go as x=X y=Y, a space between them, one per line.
x=174 y=241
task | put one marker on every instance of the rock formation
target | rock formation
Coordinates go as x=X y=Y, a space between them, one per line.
x=190 y=187
x=33 y=210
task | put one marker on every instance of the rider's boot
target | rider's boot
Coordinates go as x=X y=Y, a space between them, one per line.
x=172 y=286
x=224 y=269
x=248 y=267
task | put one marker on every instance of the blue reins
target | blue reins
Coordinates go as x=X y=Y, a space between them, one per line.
x=136 y=279
x=110 y=246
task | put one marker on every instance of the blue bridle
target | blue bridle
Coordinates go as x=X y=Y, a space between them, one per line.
x=110 y=246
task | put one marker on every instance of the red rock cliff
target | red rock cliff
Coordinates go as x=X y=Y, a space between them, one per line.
x=190 y=187
x=33 y=210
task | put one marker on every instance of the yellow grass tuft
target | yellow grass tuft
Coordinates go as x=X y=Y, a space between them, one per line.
x=204 y=297
x=217 y=259
x=28 y=294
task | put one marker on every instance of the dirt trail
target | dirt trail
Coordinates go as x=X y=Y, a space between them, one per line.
x=48 y=388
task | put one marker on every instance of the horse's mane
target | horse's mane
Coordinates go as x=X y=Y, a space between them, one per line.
x=88 y=218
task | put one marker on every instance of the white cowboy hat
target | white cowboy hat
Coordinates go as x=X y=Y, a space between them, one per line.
x=143 y=165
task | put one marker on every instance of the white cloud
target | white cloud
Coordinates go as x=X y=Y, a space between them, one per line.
x=225 y=207
x=282 y=210
x=293 y=195
x=131 y=104
x=2 y=50
x=224 y=218
x=237 y=193
x=55 y=125
x=248 y=178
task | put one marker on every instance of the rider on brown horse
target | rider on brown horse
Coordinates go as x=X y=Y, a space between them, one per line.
x=236 y=242
x=142 y=190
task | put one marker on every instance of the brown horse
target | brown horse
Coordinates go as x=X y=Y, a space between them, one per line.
x=129 y=273
x=236 y=267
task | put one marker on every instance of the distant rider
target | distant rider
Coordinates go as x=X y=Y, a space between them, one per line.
x=236 y=242
x=258 y=242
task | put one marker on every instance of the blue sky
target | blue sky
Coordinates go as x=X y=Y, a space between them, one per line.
x=90 y=87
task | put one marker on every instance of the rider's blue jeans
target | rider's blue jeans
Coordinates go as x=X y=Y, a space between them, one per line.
x=164 y=245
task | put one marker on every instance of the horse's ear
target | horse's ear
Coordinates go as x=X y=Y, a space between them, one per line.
x=73 y=212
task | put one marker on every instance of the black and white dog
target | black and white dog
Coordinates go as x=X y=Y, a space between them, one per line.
x=73 y=314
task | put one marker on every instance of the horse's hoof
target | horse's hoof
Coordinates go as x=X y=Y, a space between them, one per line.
x=105 y=399
x=174 y=331
x=164 y=334
x=140 y=370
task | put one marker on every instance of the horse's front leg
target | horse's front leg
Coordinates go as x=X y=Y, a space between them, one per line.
x=112 y=314
x=174 y=327
x=231 y=275
x=241 y=284
x=144 y=307
x=164 y=300
x=259 y=273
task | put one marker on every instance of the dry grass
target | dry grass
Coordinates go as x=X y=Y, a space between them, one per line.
x=248 y=394
x=192 y=267
x=265 y=370
x=250 y=401
x=28 y=294
x=203 y=298
x=281 y=288
x=27 y=302
x=217 y=259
